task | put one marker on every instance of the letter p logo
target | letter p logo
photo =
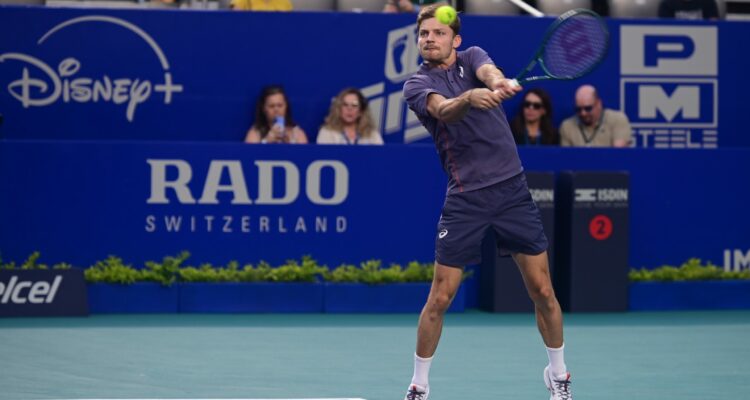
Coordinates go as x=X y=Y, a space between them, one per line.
x=657 y=47
x=663 y=50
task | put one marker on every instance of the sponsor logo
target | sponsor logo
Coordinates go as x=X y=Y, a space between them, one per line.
x=274 y=183
x=736 y=259
x=601 y=197
x=39 y=84
x=443 y=233
x=386 y=99
x=542 y=195
x=22 y=292
x=669 y=85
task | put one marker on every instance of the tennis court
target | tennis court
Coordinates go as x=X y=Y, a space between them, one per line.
x=686 y=355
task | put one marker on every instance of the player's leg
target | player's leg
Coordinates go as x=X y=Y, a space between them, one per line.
x=536 y=277
x=458 y=242
x=445 y=284
x=518 y=225
x=444 y=287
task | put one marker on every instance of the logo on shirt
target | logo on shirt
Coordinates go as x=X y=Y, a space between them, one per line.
x=443 y=233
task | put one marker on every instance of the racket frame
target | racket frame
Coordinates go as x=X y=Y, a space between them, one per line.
x=537 y=58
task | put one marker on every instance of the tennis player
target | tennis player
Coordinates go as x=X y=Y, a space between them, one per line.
x=457 y=96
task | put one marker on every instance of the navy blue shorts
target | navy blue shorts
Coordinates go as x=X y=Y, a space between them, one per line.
x=506 y=207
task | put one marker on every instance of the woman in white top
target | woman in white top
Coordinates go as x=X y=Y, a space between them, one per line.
x=273 y=120
x=349 y=121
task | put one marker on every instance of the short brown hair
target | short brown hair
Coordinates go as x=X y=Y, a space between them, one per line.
x=428 y=12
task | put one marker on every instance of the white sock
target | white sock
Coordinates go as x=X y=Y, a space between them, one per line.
x=557 y=361
x=421 y=370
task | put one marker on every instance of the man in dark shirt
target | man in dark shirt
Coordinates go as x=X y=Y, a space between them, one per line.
x=457 y=95
x=689 y=9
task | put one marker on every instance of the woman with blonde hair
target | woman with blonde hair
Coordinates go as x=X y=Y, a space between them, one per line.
x=349 y=121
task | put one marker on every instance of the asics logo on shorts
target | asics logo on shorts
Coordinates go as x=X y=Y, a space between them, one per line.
x=443 y=233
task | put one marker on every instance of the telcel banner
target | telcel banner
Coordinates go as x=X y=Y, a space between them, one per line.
x=42 y=293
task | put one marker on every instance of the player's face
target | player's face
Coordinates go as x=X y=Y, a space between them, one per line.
x=436 y=41
x=275 y=106
x=351 y=110
x=533 y=108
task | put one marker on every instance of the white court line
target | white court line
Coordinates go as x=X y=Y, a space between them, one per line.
x=201 y=398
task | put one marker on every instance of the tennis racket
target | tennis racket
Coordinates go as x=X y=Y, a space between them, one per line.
x=572 y=47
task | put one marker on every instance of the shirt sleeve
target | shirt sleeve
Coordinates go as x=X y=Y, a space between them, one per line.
x=325 y=137
x=416 y=90
x=565 y=132
x=376 y=137
x=621 y=125
x=476 y=57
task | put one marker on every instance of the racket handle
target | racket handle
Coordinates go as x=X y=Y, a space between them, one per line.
x=514 y=83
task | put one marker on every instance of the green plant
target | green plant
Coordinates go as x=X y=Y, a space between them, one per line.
x=111 y=270
x=165 y=272
x=308 y=271
x=692 y=270
x=371 y=272
x=172 y=269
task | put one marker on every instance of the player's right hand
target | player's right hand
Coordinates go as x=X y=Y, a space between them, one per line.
x=484 y=99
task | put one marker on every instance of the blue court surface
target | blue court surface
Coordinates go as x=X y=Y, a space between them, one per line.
x=664 y=356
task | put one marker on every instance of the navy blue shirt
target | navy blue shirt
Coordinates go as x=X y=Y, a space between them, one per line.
x=478 y=150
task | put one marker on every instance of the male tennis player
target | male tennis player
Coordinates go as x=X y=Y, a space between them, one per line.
x=457 y=96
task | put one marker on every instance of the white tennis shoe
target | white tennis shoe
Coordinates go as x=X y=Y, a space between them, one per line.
x=558 y=386
x=417 y=392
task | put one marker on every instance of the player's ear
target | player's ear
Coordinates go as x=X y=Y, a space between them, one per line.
x=456 y=41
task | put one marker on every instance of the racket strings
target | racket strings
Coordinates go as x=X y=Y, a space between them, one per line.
x=575 y=47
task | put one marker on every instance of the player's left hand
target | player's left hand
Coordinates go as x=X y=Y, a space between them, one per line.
x=505 y=89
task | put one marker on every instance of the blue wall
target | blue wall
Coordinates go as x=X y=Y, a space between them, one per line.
x=81 y=201
x=216 y=62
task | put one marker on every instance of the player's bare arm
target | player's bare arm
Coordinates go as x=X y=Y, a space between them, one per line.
x=496 y=81
x=452 y=110
x=449 y=110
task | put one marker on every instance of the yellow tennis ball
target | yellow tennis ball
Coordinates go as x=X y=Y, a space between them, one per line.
x=445 y=14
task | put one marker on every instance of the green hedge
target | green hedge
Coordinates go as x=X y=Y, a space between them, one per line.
x=173 y=269
x=692 y=270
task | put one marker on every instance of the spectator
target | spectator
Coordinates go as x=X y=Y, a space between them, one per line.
x=689 y=9
x=593 y=125
x=349 y=121
x=261 y=5
x=273 y=119
x=409 y=6
x=533 y=126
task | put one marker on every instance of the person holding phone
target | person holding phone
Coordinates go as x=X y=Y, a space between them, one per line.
x=273 y=119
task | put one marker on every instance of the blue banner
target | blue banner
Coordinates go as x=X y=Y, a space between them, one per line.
x=195 y=76
x=79 y=202
x=36 y=293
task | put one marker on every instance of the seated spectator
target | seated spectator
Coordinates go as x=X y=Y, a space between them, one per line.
x=408 y=6
x=593 y=125
x=533 y=126
x=261 y=5
x=689 y=9
x=349 y=121
x=273 y=119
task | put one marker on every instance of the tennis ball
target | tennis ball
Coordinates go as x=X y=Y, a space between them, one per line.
x=445 y=14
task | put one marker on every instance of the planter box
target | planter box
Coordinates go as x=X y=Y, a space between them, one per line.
x=134 y=298
x=697 y=295
x=259 y=297
x=390 y=298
